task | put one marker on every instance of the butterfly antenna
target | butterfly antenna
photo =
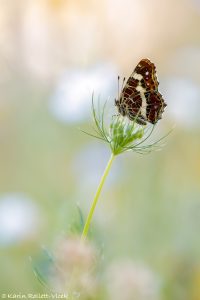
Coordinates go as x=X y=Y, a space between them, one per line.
x=118 y=79
x=123 y=83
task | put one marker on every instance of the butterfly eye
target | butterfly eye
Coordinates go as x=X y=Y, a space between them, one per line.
x=146 y=73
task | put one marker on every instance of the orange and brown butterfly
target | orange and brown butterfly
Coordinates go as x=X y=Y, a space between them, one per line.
x=139 y=99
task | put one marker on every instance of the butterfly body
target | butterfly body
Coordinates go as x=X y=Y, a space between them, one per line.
x=140 y=99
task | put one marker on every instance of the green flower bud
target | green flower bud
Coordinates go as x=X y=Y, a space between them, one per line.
x=123 y=134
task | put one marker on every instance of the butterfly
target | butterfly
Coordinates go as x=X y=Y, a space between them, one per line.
x=140 y=99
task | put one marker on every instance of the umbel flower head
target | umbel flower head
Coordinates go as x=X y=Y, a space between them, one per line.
x=73 y=269
x=130 y=281
x=123 y=134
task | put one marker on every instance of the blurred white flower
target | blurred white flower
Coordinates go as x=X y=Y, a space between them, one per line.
x=181 y=89
x=183 y=98
x=89 y=163
x=129 y=281
x=19 y=219
x=73 y=269
x=183 y=62
x=71 y=101
x=72 y=253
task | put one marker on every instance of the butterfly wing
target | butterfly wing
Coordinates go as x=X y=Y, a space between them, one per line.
x=146 y=72
x=140 y=99
x=155 y=106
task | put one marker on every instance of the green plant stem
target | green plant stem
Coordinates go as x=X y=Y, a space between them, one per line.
x=96 y=197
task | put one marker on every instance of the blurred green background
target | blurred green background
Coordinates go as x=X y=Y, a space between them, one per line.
x=53 y=54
